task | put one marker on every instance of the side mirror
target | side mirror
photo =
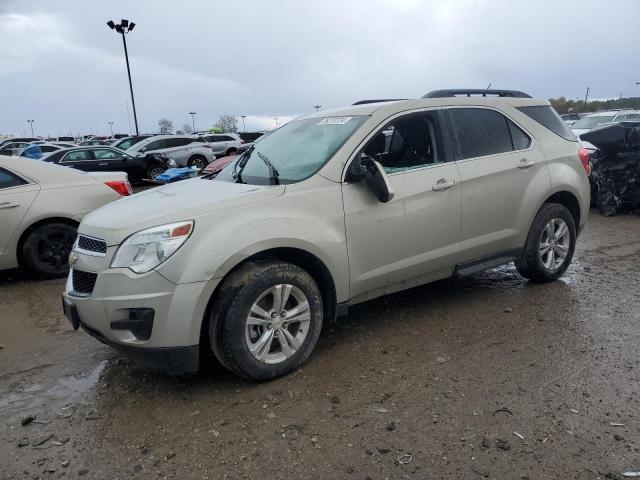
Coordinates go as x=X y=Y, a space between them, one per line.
x=380 y=185
x=366 y=168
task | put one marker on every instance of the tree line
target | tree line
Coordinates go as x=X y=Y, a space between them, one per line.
x=562 y=105
x=225 y=124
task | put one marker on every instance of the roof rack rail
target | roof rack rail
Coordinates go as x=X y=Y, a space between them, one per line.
x=475 y=91
x=364 y=102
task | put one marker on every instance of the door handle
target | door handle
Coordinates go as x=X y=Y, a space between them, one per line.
x=9 y=205
x=104 y=164
x=443 y=184
x=524 y=164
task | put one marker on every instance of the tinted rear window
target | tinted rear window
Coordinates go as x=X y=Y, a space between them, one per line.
x=480 y=132
x=546 y=116
x=8 y=179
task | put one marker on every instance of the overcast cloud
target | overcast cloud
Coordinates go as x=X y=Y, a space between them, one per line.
x=61 y=65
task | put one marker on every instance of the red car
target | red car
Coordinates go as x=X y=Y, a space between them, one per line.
x=218 y=164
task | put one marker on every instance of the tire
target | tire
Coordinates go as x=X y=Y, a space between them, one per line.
x=154 y=171
x=198 y=161
x=540 y=265
x=255 y=285
x=232 y=151
x=45 y=251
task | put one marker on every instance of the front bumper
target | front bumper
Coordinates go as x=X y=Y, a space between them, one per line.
x=178 y=309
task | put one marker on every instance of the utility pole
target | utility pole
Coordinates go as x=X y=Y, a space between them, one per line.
x=111 y=127
x=586 y=99
x=244 y=127
x=31 y=124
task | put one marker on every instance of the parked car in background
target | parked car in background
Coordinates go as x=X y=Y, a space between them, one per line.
x=37 y=150
x=88 y=143
x=40 y=207
x=218 y=164
x=9 y=148
x=224 y=143
x=17 y=140
x=600 y=118
x=128 y=142
x=185 y=150
x=571 y=118
x=67 y=139
x=323 y=214
x=110 y=159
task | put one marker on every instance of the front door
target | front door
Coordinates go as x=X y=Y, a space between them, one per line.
x=414 y=237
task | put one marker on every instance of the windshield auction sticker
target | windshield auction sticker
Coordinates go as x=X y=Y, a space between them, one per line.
x=334 y=121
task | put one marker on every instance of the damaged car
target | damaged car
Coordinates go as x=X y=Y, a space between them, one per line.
x=615 y=167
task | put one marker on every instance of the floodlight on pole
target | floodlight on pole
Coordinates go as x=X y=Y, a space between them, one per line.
x=111 y=127
x=317 y=107
x=124 y=27
x=244 y=127
x=30 y=122
x=193 y=121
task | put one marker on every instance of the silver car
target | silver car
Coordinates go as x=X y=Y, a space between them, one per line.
x=185 y=150
x=224 y=144
x=330 y=210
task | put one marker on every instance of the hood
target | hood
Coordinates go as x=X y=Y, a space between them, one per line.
x=185 y=200
x=619 y=137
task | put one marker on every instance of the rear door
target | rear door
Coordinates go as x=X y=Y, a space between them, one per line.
x=108 y=160
x=16 y=196
x=499 y=164
x=80 y=159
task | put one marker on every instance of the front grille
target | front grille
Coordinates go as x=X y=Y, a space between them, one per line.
x=92 y=244
x=83 y=282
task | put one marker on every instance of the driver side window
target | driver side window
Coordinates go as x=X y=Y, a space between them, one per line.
x=409 y=142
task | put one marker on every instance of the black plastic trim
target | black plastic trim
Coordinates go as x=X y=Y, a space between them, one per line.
x=455 y=92
x=485 y=263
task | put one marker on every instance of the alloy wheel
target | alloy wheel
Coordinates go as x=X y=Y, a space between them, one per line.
x=554 y=244
x=277 y=324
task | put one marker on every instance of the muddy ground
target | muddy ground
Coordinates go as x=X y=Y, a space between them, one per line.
x=441 y=377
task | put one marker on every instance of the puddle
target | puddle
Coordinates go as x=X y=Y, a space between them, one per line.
x=64 y=390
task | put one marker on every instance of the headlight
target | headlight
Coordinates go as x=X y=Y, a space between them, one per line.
x=172 y=163
x=145 y=250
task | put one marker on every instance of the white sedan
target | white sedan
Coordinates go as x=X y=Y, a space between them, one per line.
x=41 y=205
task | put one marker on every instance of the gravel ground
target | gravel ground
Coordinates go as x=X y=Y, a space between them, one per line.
x=484 y=377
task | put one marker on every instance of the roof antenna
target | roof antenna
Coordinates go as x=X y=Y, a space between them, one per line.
x=489 y=86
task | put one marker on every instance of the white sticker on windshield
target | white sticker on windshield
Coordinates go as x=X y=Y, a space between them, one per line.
x=334 y=121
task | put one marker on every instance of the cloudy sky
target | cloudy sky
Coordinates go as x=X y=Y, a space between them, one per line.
x=61 y=66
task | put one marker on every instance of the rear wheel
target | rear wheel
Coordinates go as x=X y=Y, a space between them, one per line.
x=197 y=161
x=46 y=250
x=270 y=316
x=550 y=244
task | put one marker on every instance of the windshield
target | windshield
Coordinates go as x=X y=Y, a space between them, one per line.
x=296 y=151
x=594 y=121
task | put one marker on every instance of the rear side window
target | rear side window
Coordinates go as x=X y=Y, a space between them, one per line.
x=8 y=179
x=178 y=142
x=546 y=116
x=80 y=155
x=520 y=140
x=480 y=132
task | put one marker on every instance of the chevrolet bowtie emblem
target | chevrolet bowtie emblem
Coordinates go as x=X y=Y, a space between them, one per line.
x=73 y=259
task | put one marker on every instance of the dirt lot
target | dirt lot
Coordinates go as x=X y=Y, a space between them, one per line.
x=440 y=377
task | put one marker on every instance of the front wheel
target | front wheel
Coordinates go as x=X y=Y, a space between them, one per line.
x=154 y=171
x=550 y=244
x=45 y=251
x=270 y=320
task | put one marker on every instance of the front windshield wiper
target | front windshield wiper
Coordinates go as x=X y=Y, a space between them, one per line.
x=273 y=173
x=239 y=165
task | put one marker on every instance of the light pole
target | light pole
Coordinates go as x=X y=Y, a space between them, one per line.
x=111 y=127
x=317 y=107
x=123 y=28
x=31 y=123
x=276 y=119
x=193 y=121
x=244 y=127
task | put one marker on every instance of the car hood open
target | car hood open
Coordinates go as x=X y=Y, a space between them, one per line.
x=185 y=200
x=618 y=137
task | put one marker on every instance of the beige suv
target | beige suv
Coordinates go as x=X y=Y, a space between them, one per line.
x=330 y=210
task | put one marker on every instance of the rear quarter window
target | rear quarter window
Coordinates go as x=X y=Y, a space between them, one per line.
x=8 y=179
x=546 y=116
